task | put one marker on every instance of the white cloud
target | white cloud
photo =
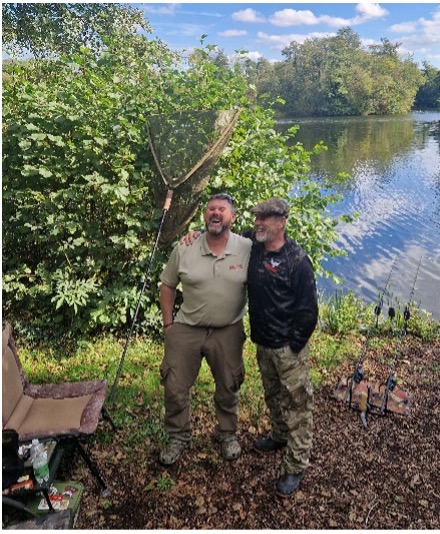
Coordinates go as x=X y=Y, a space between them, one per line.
x=232 y=33
x=253 y=55
x=366 y=12
x=186 y=30
x=431 y=28
x=292 y=17
x=433 y=58
x=404 y=27
x=204 y=13
x=177 y=9
x=371 y=11
x=164 y=9
x=281 y=41
x=368 y=42
x=248 y=15
x=421 y=36
x=336 y=22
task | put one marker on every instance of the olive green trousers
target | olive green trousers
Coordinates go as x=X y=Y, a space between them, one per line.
x=185 y=347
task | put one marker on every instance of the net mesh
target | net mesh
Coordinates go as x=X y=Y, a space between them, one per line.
x=185 y=148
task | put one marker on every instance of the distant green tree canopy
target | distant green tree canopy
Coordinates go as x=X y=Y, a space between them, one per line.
x=338 y=76
x=429 y=94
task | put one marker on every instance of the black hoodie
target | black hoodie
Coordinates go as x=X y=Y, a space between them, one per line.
x=283 y=304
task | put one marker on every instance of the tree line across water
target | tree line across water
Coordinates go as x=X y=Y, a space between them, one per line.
x=338 y=76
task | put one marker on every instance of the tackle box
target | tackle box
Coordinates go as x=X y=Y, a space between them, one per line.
x=62 y=495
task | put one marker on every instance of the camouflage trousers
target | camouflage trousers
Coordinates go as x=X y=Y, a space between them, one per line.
x=289 y=396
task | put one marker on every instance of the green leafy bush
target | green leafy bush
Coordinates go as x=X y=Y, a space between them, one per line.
x=79 y=219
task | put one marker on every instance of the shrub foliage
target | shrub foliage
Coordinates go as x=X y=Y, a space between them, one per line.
x=79 y=220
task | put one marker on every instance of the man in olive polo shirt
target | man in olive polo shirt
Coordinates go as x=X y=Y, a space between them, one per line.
x=209 y=324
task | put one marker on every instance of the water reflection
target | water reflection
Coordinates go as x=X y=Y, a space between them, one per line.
x=394 y=163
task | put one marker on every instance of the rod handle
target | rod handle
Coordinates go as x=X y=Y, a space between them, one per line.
x=168 y=198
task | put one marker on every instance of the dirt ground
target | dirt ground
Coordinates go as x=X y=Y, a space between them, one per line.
x=384 y=476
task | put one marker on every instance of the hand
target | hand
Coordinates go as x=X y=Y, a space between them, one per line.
x=190 y=237
x=166 y=327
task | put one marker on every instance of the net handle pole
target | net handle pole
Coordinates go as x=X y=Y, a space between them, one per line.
x=165 y=209
x=156 y=161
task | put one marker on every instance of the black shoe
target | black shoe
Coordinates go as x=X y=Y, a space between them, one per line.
x=268 y=444
x=287 y=484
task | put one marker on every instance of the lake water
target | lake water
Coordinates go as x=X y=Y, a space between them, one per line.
x=394 y=163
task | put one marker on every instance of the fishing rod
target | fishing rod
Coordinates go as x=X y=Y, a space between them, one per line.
x=392 y=316
x=358 y=373
x=165 y=209
x=391 y=381
x=379 y=306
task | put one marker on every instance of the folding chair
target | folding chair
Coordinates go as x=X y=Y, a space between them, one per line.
x=64 y=412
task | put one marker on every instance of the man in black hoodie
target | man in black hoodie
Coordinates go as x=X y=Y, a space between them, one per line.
x=283 y=313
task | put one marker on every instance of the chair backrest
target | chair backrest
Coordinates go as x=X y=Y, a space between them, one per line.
x=12 y=376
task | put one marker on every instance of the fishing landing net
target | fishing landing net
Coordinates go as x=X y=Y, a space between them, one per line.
x=185 y=147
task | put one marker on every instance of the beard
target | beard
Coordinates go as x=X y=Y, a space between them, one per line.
x=261 y=237
x=216 y=228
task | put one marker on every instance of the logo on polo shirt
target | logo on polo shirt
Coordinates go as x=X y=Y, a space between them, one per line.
x=236 y=267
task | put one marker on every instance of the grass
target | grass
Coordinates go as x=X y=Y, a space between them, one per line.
x=339 y=337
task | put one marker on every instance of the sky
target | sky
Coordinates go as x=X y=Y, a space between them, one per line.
x=264 y=29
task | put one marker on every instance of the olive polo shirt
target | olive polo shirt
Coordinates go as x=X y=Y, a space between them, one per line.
x=213 y=287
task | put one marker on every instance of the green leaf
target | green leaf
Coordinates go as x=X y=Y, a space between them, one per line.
x=24 y=144
x=45 y=172
x=38 y=136
x=58 y=140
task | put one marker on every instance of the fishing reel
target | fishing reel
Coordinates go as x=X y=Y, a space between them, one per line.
x=358 y=375
x=378 y=309
x=391 y=382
